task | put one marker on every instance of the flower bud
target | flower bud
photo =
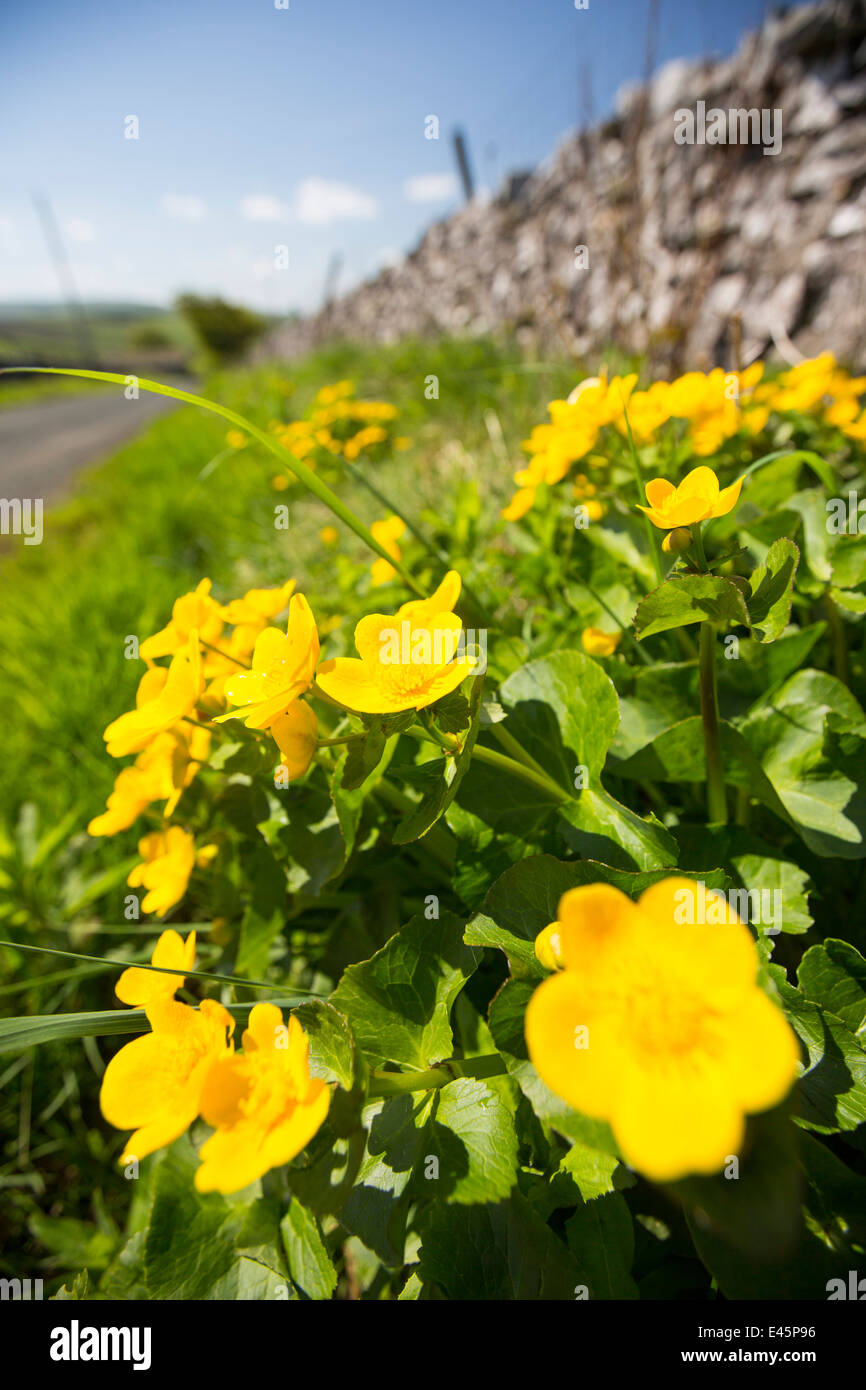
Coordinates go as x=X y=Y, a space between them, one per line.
x=675 y=542
x=547 y=947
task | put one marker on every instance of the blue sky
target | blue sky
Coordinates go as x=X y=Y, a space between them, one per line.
x=300 y=128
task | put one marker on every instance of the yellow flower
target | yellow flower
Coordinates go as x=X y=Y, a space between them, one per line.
x=341 y=390
x=406 y=661
x=196 y=612
x=548 y=947
x=142 y=987
x=598 y=643
x=160 y=772
x=519 y=505
x=387 y=533
x=296 y=733
x=154 y=1084
x=656 y=1024
x=697 y=498
x=236 y=439
x=264 y=1106
x=169 y=858
x=164 y=698
x=258 y=606
x=282 y=669
x=329 y=535
x=280 y=482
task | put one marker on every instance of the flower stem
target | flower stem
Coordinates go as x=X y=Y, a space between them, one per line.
x=717 y=805
x=837 y=634
x=391 y=1083
x=528 y=773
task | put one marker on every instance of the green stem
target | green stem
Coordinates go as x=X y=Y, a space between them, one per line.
x=390 y=1083
x=526 y=769
x=539 y=780
x=840 y=645
x=292 y=465
x=652 y=540
x=515 y=749
x=227 y=655
x=717 y=805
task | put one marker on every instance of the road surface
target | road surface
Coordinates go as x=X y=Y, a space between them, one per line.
x=43 y=446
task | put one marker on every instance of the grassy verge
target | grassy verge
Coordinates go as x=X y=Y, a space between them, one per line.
x=146 y=526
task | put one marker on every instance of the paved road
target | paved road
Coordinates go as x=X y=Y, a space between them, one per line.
x=43 y=446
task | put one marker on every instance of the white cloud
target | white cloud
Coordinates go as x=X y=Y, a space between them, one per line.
x=79 y=230
x=430 y=188
x=261 y=207
x=184 y=207
x=320 y=201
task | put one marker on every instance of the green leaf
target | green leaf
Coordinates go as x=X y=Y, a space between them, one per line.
x=833 y=975
x=849 y=562
x=564 y=712
x=241 y=1238
x=690 y=598
x=591 y=1173
x=332 y=1046
x=821 y=784
x=304 y=828
x=772 y=585
x=19 y=1033
x=654 y=699
x=807 y=1251
x=495 y=1251
x=310 y=1265
x=600 y=1235
x=452 y=713
x=456 y=1144
x=398 y=1003
x=265 y=913
x=525 y=899
x=349 y=793
x=832 y=1090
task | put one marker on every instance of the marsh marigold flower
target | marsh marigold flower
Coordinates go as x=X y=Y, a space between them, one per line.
x=282 y=669
x=404 y=662
x=296 y=734
x=160 y=773
x=164 y=697
x=169 y=857
x=192 y=613
x=698 y=498
x=387 y=533
x=141 y=987
x=598 y=643
x=258 y=606
x=264 y=1106
x=154 y=1084
x=656 y=1024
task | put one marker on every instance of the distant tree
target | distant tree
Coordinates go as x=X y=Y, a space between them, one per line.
x=150 y=336
x=224 y=330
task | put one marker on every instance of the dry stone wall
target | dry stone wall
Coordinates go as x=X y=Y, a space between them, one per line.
x=686 y=251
